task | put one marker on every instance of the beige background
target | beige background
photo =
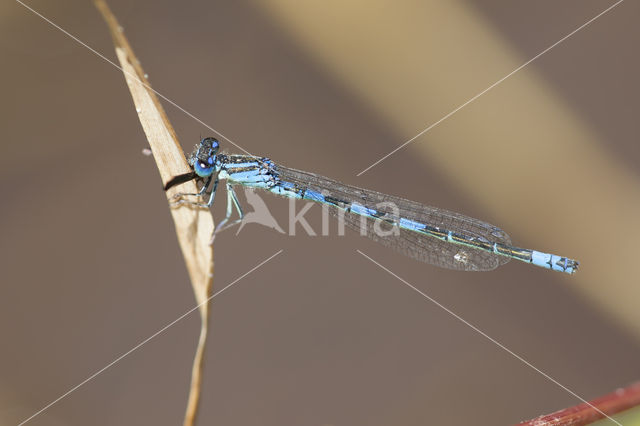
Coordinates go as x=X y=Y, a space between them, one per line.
x=320 y=335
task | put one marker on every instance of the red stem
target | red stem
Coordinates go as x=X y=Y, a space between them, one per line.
x=582 y=414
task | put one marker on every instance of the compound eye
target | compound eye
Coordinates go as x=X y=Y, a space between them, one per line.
x=203 y=169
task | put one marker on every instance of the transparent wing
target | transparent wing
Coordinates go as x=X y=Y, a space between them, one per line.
x=414 y=244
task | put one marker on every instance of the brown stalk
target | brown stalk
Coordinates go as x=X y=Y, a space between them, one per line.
x=193 y=226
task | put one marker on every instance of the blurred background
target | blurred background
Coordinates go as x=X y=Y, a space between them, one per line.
x=320 y=335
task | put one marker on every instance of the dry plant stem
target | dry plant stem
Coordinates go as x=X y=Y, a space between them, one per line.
x=193 y=226
x=582 y=414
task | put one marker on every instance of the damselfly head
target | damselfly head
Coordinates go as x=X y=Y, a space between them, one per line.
x=203 y=159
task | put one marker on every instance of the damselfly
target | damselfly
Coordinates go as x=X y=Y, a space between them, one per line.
x=432 y=235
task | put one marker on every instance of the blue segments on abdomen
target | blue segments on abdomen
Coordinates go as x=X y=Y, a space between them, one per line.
x=304 y=185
